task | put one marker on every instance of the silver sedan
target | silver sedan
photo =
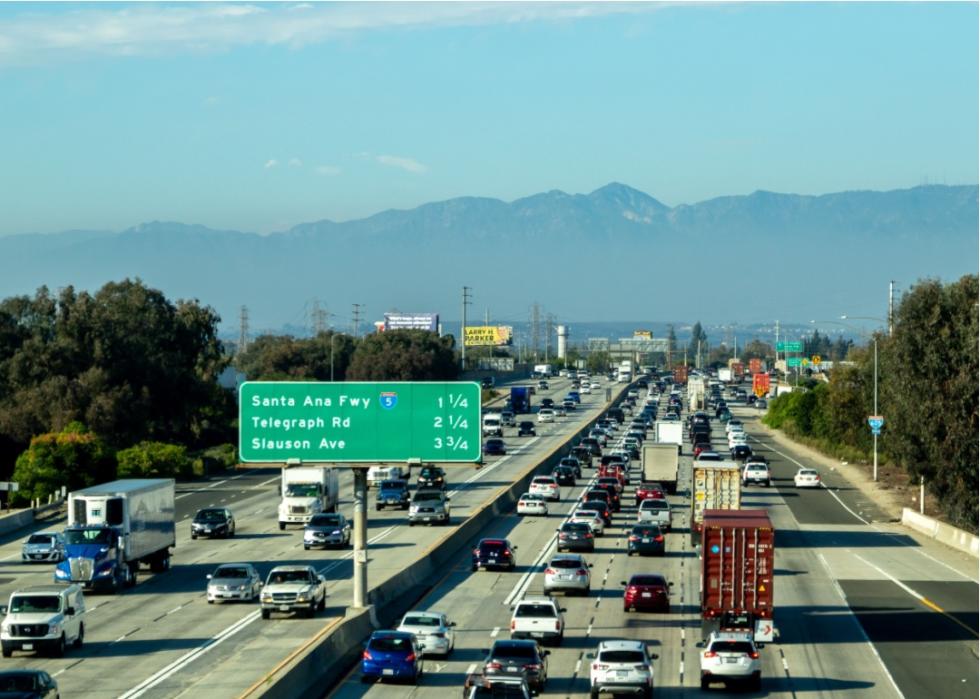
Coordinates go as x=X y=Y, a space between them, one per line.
x=569 y=573
x=234 y=581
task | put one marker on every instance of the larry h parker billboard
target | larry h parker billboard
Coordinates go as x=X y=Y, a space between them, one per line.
x=412 y=321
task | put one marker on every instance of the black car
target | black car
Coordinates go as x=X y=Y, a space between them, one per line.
x=565 y=475
x=547 y=402
x=761 y=403
x=592 y=444
x=494 y=553
x=599 y=495
x=526 y=429
x=519 y=655
x=740 y=452
x=601 y=507
x=613 y=490
x=393 y=492
x=494 y=447
x=432 y=477
x=576 y=536
x=212 y=522
x=645 y=539
x=574 y=463
x=486 y=382
x=617 y=415
x=583 y=454
x=27 y=684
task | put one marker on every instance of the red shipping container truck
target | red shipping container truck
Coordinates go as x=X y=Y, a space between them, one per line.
x=737 y=564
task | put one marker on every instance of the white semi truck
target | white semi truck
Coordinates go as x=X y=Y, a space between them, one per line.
x=113 y=528
x=307 y=491
x=660 y=464
x=669 y=432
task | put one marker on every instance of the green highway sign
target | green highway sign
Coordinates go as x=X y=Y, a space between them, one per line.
x=792 y=361
x=359 y=421
x=789 y=347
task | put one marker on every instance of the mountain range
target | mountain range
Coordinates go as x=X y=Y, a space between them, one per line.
x=615 y=253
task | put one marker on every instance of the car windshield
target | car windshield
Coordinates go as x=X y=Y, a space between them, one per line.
x=26 y=604
x=421 y=621
x=429 y=473
x=648 y=580
x=391 y=644
x=731 y=647
x=89 y=536
x=621 y=656
x=578 y=526
x=210 y=516
x=646 y=531
x=393 y=485
x=327 y=520
x=288 y=576
x=231 y=572
x=514 y=651
x=806 y=473
x=544 y=480
x=565 y=563
x=526 y=610
x=423 y=495
x=40 y=539
x=492 y=546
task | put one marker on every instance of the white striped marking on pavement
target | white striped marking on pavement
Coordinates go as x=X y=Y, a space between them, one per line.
x=496 y=630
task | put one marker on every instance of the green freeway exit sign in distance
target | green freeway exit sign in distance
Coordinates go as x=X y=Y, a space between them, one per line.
x=359 y=421
x=789 y=346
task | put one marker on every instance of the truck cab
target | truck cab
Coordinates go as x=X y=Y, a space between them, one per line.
x=44 y=619
x=306 y=491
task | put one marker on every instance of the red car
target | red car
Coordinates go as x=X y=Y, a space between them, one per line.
x=649 y=491
x=647 y=593
x=613 y=469
x=700 y=447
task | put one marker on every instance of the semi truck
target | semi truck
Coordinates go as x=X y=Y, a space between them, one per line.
x=715 y=485
x=306 y=491
x=520 y=399
x=669 y=432
x=737 y=573
x=659 y=465
x=696 y=394
x=113 y=528
x=543 y=370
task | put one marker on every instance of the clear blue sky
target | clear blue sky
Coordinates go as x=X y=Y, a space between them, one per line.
x=260 y=116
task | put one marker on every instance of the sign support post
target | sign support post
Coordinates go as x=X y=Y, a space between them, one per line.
x=360 y=537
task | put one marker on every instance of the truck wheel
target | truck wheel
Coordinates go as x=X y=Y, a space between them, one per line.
x=311 y=612
x=133 y=569
x=7 y=652
x=704 y=683
x=593 y=694
x=323 y=603
x=265 y=613
x=282 y=526
x=81 y=636
x=193 y=536
x=378 y=508
x=59 y=649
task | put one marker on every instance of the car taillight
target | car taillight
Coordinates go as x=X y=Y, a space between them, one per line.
x=549 y=571
x=493 y=666
x=366 y=656
x=588 y=535
x=633 y=537
x=816 y=478
x=582 y=571
x=505 y=553
x=476 y=552
x=513 y=625
x=641 y=668
x=659 y=538
x=532 y=666
x=754 y=655
x=557 y=626
x=710 y=654
x=597 y=666
x=631 y=589
x=410 y=658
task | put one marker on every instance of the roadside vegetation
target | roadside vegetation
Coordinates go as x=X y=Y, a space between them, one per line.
x=927 y=392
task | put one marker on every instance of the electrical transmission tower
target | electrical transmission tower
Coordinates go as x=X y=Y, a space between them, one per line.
x=535 y=330
x=356 y=316
x=243 y=330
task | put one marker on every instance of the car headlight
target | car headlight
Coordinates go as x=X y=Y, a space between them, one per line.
x=5 y=628
x=104 y=572
x=54 y=629
x=59 y=573
x=242 y=588
x=335 y=532
x=303 y=597
x=266 y=597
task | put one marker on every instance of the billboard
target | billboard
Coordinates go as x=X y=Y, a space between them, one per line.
x=412 y=321
x=643 y=334
x=489 y=335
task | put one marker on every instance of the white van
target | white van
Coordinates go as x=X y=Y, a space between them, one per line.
x=493 y=425
x=44 y=619
x=376 y=474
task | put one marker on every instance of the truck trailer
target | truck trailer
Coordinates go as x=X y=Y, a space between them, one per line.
x=520 y=399
x=669 y=432
x=659 y=465
x=307 y=491
x=737 y=573
x=715 y=485
x=113 y=528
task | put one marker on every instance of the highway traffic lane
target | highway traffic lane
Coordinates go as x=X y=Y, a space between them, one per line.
x=338 y=588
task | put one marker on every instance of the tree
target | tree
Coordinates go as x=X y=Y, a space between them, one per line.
x=74 y=458
x=598 y=362
x=153 y=460
x=671 y=346
x=699 y=342
x=928 y=389
x=286 y=358
x=403 y=355
x=757 y=349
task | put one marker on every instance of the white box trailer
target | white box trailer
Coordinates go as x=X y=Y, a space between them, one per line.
x=669 y=432
x=114 y=527
x=659 y=465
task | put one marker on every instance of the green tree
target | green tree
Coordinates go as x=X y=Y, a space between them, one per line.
x=153 y=460
x=928 y=388
x=699 y=342
x=598 y=362
x=74 y=458
x=757 y=349
x=403 y=355
x=286 y=358
x=671 y=345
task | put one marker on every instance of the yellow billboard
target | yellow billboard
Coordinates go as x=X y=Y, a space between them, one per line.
x=488 y=335
x=643 y=334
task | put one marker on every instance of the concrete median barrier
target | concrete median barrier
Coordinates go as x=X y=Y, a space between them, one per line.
x=941 y=532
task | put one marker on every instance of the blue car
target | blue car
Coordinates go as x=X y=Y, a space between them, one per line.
x=574 y=395
x=392 y=655
x=394 y=493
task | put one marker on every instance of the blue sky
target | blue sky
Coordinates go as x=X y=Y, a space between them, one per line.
x=260 y=116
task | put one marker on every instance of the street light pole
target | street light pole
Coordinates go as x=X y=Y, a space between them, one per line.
x=875 y=432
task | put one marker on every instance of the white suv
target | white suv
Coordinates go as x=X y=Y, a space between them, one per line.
x=545 y=486
x=621 y=666
x=45 y=618
x=731 y=657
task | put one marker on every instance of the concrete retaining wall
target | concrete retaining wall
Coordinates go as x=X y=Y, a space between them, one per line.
x=324 y=660
x=942 y=532
x=16 y=520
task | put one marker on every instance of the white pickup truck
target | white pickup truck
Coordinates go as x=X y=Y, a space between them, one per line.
x=294 y=588
x=538 y=617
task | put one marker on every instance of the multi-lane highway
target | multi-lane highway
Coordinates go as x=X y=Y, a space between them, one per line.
x=864 y=608
x=162 y=639
x=849 y=622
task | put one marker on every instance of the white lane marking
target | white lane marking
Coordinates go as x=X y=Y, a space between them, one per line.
x=682 y=669
x=840 y=592
x=471 y=669
x=871 y=524
x=219 y=638
x=785 y=664
x=218 y=483
x=578 y=666
x=588 y=631
x=496 y=630
x=7 y=558
x=271 y=480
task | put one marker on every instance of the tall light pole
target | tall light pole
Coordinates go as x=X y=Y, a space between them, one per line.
x=874 y=432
